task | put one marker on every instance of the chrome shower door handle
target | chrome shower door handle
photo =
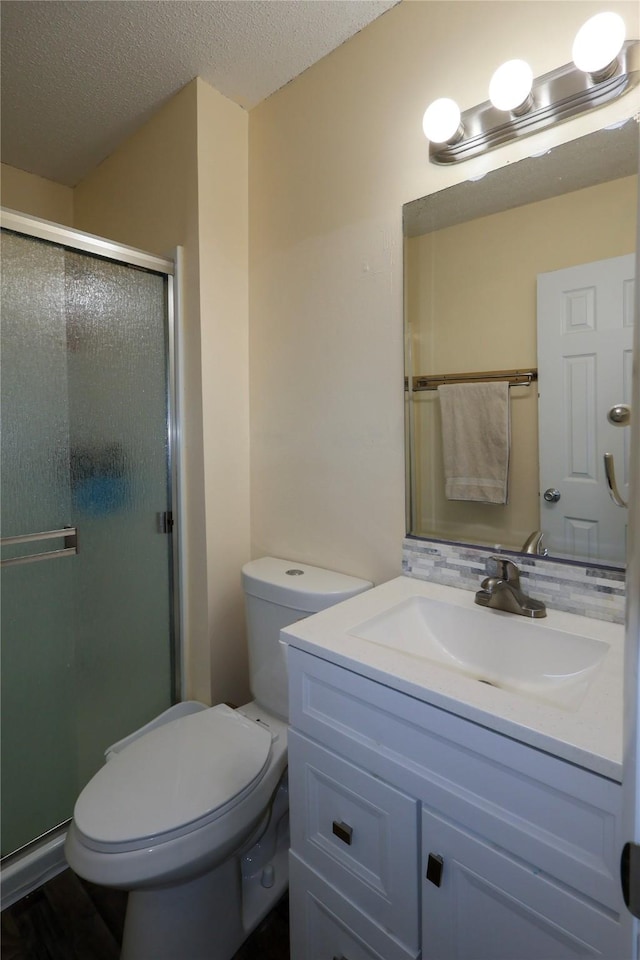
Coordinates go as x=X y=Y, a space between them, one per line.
x=610 y=474
x=69 y=535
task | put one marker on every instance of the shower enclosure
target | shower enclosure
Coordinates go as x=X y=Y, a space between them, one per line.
x=88 y=585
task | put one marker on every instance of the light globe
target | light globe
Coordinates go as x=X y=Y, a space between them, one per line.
x=441 y=120
x=510 y=85
x=598 y=42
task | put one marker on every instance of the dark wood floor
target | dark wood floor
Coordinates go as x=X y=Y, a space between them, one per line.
x=69 y=919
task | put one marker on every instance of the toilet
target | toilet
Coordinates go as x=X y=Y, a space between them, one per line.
x=190 y=814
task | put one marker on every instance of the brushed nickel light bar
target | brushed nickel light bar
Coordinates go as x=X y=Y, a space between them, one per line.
x=604 y=68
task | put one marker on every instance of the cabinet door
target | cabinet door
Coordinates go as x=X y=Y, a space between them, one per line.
x=490 y=906
x=325 y=925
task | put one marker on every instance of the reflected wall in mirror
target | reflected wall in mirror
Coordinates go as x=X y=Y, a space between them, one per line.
x=530 y=268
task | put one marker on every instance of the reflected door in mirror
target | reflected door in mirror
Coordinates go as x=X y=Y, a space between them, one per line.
x=585 y=328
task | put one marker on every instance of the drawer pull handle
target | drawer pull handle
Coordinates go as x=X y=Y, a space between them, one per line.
x=343 y=831
x=435 y=864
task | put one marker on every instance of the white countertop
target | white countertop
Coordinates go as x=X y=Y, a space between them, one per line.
x=589 y=735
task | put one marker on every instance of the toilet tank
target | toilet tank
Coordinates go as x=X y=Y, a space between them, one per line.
x=277 y=593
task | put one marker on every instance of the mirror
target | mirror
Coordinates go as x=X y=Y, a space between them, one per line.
x=504 y=274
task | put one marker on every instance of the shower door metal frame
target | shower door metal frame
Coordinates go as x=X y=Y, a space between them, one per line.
x=130 y=256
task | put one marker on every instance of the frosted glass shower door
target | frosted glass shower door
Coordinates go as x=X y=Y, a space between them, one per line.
x=38 y=759
x=87 y=638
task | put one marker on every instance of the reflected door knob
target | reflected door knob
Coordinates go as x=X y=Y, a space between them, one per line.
x=620 y=415
x=551 y=495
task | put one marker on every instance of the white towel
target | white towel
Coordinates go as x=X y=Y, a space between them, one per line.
x=475 y=440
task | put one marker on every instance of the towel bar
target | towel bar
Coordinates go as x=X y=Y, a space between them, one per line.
x=515 y=378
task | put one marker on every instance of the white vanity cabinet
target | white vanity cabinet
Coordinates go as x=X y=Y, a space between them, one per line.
x=418 y=834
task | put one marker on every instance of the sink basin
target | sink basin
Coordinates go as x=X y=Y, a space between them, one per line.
x=524 y=656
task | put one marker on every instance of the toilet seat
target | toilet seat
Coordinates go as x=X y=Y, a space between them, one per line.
x=172 y=781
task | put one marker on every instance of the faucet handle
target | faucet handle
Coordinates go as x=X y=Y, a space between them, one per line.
x=507 y=570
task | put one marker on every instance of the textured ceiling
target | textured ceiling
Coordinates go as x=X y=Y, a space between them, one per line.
x=80 y=76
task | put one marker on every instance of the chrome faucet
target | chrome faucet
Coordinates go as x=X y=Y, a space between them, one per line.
x=502 y=592
x=533 y=544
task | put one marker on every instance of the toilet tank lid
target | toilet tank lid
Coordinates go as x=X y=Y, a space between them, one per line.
x=299 y=585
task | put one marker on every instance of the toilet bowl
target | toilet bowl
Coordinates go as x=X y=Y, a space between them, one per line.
x=191 y=816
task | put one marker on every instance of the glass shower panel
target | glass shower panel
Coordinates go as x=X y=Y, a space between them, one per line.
x=38 y=684
x=86 y=639
x=119 y=489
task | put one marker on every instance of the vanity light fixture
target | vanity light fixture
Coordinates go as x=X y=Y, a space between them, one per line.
x=604 y=68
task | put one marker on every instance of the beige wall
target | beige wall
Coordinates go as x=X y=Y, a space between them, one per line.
x=333 y=156
x=471 y=304
x=35 y=196
x=224 y=329
x=182 y=180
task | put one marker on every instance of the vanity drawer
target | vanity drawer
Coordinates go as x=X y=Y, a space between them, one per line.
x=326 y=926
x=556 y=816
x=359 y=833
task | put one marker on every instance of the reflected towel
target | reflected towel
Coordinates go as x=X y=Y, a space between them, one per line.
x=475 y=440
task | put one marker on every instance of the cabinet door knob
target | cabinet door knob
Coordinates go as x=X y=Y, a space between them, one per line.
x=342 y=831
x=435 y=864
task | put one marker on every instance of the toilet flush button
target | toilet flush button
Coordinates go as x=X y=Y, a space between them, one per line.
x=268 y=876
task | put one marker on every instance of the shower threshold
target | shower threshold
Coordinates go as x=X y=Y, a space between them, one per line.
x=32 y=865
